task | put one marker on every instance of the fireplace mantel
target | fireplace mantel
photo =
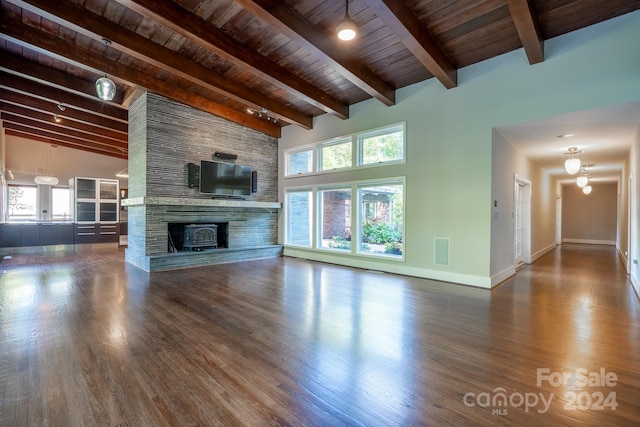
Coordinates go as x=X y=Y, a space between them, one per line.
x=181 y=201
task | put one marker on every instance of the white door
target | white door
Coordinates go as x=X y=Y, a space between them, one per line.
x=521 y=221
x=517 y=221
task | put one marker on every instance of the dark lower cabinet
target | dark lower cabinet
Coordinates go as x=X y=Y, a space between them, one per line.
x=48 y=234
x=65 y=234
x=30 y=235
x=10 y=236
x=41 y=234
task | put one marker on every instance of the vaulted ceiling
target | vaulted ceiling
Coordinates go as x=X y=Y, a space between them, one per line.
x=261 y=63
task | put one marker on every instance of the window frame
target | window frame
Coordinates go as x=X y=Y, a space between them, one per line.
x=360 y=216
x=11 y=218
x=356 y=151
x=289 y=153
x=287 y=216
x=384 y=130
x=356 y=216
x=320 y=216
x=332 y=143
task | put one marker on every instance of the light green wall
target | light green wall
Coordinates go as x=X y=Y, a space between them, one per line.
x=449 y=134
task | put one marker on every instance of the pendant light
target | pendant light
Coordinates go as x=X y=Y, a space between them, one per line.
x=583 y=179
x=105 y=88
x=347 y=29
x=572 y=164
x=587 y=189
x=43 y=179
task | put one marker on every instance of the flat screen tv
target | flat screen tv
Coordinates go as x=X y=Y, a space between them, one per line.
x=225 y=179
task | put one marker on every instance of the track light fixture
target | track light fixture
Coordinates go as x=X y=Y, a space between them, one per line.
x=347 y=29
x=61 y=106
x=262 y=113
x=105 y=88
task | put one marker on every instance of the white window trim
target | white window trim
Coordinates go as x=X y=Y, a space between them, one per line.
x=332 y=142
x=356 y=215
x=287 y=159
x=287 y=213
x=377 y=132
x=356 y=151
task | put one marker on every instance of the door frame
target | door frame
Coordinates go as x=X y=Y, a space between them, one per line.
x=526 y=219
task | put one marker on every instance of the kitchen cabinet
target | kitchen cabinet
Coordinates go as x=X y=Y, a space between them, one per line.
x=95 y=208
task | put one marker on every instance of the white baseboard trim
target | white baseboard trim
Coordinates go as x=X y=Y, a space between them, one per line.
x=390 y=267
x=635 y=282
x=542 y=252
x=590 y=242
x=623 y=258
x=496 y=279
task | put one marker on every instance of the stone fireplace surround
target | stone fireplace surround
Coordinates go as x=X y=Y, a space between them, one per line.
x=164 y=137
x=252 y=229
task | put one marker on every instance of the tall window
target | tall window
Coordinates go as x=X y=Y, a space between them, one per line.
x=22 y=202
x=335 y=222
x=381 y=223
x=60 y=203
x=298 y=218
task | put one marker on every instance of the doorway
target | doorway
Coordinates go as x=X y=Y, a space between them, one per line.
x=521 y=221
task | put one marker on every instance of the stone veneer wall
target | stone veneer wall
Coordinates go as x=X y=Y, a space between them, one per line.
x=163 y=137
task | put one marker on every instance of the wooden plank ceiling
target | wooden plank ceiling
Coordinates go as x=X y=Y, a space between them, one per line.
x=231 y=57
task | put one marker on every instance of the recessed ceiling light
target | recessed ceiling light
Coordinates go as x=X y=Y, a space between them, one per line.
x=566 y=135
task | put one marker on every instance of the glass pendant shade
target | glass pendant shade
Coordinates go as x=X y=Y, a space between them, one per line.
x=572 y=166
x=587 y=189
x=45 y=180
x=105 y=88
x=347 y=29
x=582 y=181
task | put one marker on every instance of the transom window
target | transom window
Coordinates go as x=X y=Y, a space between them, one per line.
x=376 y=147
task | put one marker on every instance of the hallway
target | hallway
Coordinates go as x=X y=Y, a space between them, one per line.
x=89 y=340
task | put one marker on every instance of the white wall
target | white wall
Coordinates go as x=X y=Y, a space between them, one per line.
x=634 y=172
x=25 y=156
x=450 y=139
x=590 y=218
x=506 y=162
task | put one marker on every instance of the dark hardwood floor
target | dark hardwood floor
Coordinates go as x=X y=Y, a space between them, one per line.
x=86 y=340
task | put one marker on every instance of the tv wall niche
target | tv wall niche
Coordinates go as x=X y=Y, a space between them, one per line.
x=164 y=136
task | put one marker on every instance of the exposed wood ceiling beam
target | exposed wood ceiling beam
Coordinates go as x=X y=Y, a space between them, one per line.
x=51 y=108
x=129 y=42
x=21 y=67
x=528 y=27
x=53 y=46
x=201 y=33
x=398 y=17
x=64 y=132
x=64 y=122
x=279 y=15
x=67 y=141
x=33 y=134
x=42 y=91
